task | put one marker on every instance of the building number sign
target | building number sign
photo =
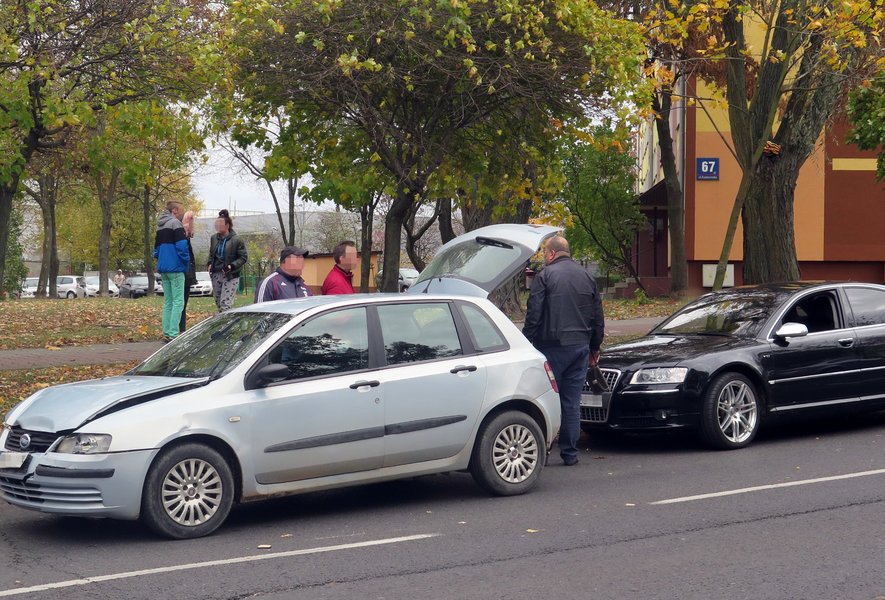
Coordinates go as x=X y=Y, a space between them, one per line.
x=708 y=168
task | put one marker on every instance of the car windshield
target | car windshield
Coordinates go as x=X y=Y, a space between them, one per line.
x=203 y=276
x=731 y=313
x=138 y=281
x=31 y=282
x=213 y=347
x=408 y=272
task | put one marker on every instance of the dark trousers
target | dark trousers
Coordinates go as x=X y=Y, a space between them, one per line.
x=187 y=294
x=569 y=364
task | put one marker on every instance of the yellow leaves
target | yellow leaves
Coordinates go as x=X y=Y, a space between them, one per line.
x=409 y=35
x=278 y=27
x=815 y=25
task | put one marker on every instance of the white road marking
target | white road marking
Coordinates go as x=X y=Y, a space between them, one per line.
x=770 y=487
x=211 y=563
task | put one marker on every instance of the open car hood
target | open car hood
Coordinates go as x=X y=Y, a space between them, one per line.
x=480 y=261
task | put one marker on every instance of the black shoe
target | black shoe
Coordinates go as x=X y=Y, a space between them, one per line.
x=167 y=339
x=570 y=462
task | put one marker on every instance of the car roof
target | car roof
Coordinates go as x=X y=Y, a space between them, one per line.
x=299 y=305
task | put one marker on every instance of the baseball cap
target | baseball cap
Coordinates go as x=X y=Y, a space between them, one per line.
x=292 y=251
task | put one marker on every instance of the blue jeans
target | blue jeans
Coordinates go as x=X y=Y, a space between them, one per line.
x=569 y=364
x=173 y=302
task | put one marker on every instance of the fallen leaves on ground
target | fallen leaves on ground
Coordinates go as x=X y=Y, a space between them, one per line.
x=15 y=386
x=44 y=323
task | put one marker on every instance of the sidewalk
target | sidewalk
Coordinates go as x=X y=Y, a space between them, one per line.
x=99 y=354
x=107 y=354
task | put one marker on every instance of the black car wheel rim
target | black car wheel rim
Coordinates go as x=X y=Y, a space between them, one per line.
x=736 y=411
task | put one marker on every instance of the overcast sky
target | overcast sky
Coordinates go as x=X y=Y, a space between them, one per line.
x=222 y=183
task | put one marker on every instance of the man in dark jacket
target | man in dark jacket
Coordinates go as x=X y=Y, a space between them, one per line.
x=340 y=278
x=286 y=281
x=171 y=252
x=564 y=321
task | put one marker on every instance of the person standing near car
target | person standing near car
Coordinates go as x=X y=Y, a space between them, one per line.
x=340 y=278
x=119 y=278
x=170 y=250
x=227 y=255
x=190 y=277
x=564 y=320
x=286 y=281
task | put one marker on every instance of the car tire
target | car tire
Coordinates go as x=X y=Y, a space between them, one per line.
x=71 y=295
x=509 y=454
x=731 y=412
x=188 y=492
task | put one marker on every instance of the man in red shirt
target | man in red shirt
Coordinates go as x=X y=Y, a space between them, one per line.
x=340 y=278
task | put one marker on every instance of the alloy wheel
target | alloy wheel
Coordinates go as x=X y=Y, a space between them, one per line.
x=737 y=411
x=515 y=453
x=192 y=492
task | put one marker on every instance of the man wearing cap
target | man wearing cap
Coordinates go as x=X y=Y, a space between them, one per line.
x=340 y=278
x=286 y=282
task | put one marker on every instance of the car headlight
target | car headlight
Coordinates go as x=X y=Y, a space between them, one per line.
x=84 y=443
x=660 y=375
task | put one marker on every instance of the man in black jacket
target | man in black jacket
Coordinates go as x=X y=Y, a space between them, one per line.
x=564 y=321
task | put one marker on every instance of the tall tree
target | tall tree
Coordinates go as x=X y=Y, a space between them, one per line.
x=62 y=63
x=418 y=77
x=598 y=190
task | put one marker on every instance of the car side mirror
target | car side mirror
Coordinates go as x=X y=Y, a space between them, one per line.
x=791 y=330
x=270 y=373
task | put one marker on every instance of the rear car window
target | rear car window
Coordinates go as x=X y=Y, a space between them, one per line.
x=867 y=304
x=418 y=332
x=486 y=336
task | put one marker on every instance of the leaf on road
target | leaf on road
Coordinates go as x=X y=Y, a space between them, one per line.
x=264 y=546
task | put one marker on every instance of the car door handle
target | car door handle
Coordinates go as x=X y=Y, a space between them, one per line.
x=846 y=342
x=459 y=368
x=357 y=385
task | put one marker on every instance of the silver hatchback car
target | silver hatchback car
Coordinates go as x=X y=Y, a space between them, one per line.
x=300 y=395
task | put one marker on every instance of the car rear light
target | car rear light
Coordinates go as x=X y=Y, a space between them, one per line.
x=551 y=377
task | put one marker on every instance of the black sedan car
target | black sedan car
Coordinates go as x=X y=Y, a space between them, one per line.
x=134 y=287
x=731 y=359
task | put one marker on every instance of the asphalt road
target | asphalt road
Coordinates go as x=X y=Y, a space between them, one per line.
x=804 y=517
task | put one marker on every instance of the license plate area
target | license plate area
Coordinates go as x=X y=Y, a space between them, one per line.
x=12 y=460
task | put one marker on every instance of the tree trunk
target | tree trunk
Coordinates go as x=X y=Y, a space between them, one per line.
x=770 y=249
x=46 y=197
x=292 y=187
x=446 y=231
x=146 y=232
x=106 y=196
x=367 y=215
x=393 y=228
x=7 y=193
x=662 y=105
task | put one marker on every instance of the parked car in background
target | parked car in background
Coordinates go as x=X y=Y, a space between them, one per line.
x=92 y=285
x=134 y=287
x=203 y=286
x=729 y=361
x=29 y=287
x=71 y=286
x=295 y=396
x=158 y=284
x=407 y=276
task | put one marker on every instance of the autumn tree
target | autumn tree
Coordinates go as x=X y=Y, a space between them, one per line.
x=599 y=192
x=785 y=67
x=418 y=77
x=62 y=64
